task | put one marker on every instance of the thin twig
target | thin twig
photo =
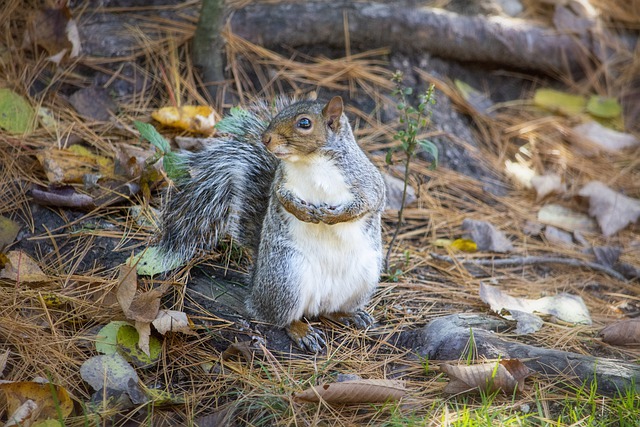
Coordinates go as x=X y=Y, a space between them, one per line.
x=531 y=260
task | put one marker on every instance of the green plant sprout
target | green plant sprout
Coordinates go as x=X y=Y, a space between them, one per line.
x=413 y=120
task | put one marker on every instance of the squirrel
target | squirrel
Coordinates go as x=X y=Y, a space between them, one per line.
x=295 y=189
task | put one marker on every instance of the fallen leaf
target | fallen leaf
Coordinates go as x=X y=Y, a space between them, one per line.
x=130 y=161
x=16 y=114
x=107 y=337
x=479 y=101
x=94 y=103
x=127 y=286
x=560 y=102
x=526 y=323
x=506 y=376
x=62 y=196
x=53 y=29
x=112 y=372
x=625 y=332
x=607 y=255
x=547 y=184
x=42 y=394
x=23 y=415
x=145 y=306
x=152 y=261
x=137 y=345
x=595 y=137
x=200 y=119
x=73 y=164
x=566 y=307
x=566 y=219
x=486 y=236
x=8 y=231
x=612 y=210
x=556 y=236
x=22 y=268
x=356 y=391
x=47 y=119
x=464 y=245
x=520 y=173
x=173 y=321
x=603 y=107
x=242 y=348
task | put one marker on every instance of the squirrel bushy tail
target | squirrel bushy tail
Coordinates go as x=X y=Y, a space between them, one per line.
x=227 y=188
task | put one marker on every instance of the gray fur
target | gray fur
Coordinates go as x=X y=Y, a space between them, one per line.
x=231 y=191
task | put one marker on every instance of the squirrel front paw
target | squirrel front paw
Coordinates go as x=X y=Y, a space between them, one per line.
x=306 y=337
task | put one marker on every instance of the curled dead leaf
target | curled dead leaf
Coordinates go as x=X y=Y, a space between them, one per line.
x=192 y=118
x=612 y=210
x=356 y=391
x=42 y=394
x=506 y=376
x=173 y=321
x=625 y=332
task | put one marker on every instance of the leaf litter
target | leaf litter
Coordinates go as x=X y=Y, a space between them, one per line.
x=424 y=291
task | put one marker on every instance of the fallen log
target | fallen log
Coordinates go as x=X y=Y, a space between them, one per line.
x=447 y=338
x=509 y=42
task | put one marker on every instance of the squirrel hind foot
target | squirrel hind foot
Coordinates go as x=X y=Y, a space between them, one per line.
x=359 y=319
x=306 y=337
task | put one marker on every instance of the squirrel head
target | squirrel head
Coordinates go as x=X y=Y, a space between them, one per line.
x=302 y=128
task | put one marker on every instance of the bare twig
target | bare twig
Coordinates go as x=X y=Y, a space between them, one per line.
x=531 y=260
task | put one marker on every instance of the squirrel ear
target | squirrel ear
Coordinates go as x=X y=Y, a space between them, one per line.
x=332 y=112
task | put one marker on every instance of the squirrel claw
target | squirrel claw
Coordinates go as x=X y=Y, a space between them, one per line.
x=359 y=319
x=306 y=337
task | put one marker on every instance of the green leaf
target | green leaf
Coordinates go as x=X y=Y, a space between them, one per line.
x=16 y=114
x=106 y=339
x=148 y=132
x=430 y=148
x=174 y=166
x=561 y=102
x=8 y=231
x=152 y=261
x=127 y=339
x=389 y=157
x=408 y=91
x=605 y=108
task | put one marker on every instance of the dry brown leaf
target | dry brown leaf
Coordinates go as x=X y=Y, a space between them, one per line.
x=22 y=268
x=145 y=307
x=53 y=29
x=144 y=332
x=242 y=348
x=505 y=375
x=130 y=161
x=173 y=321
x=624 y=332
x=356 y=391
x=612 y=210
x=127 y=286
x=18 y=392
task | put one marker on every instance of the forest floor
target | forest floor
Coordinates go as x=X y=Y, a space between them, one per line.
x=503 y=159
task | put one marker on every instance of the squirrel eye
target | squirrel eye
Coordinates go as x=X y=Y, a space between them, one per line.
x=304 y=123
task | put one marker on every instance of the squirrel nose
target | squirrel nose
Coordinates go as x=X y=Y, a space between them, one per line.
x=266 y=139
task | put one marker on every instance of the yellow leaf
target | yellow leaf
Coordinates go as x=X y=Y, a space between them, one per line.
x=71 y=165
x=18 y=392
x=464 y=245
x=192 y=118
x=442 y=243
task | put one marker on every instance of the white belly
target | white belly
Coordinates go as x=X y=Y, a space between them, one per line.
x=340 y=266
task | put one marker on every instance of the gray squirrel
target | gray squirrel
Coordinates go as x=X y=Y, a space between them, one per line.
x=289 y=183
